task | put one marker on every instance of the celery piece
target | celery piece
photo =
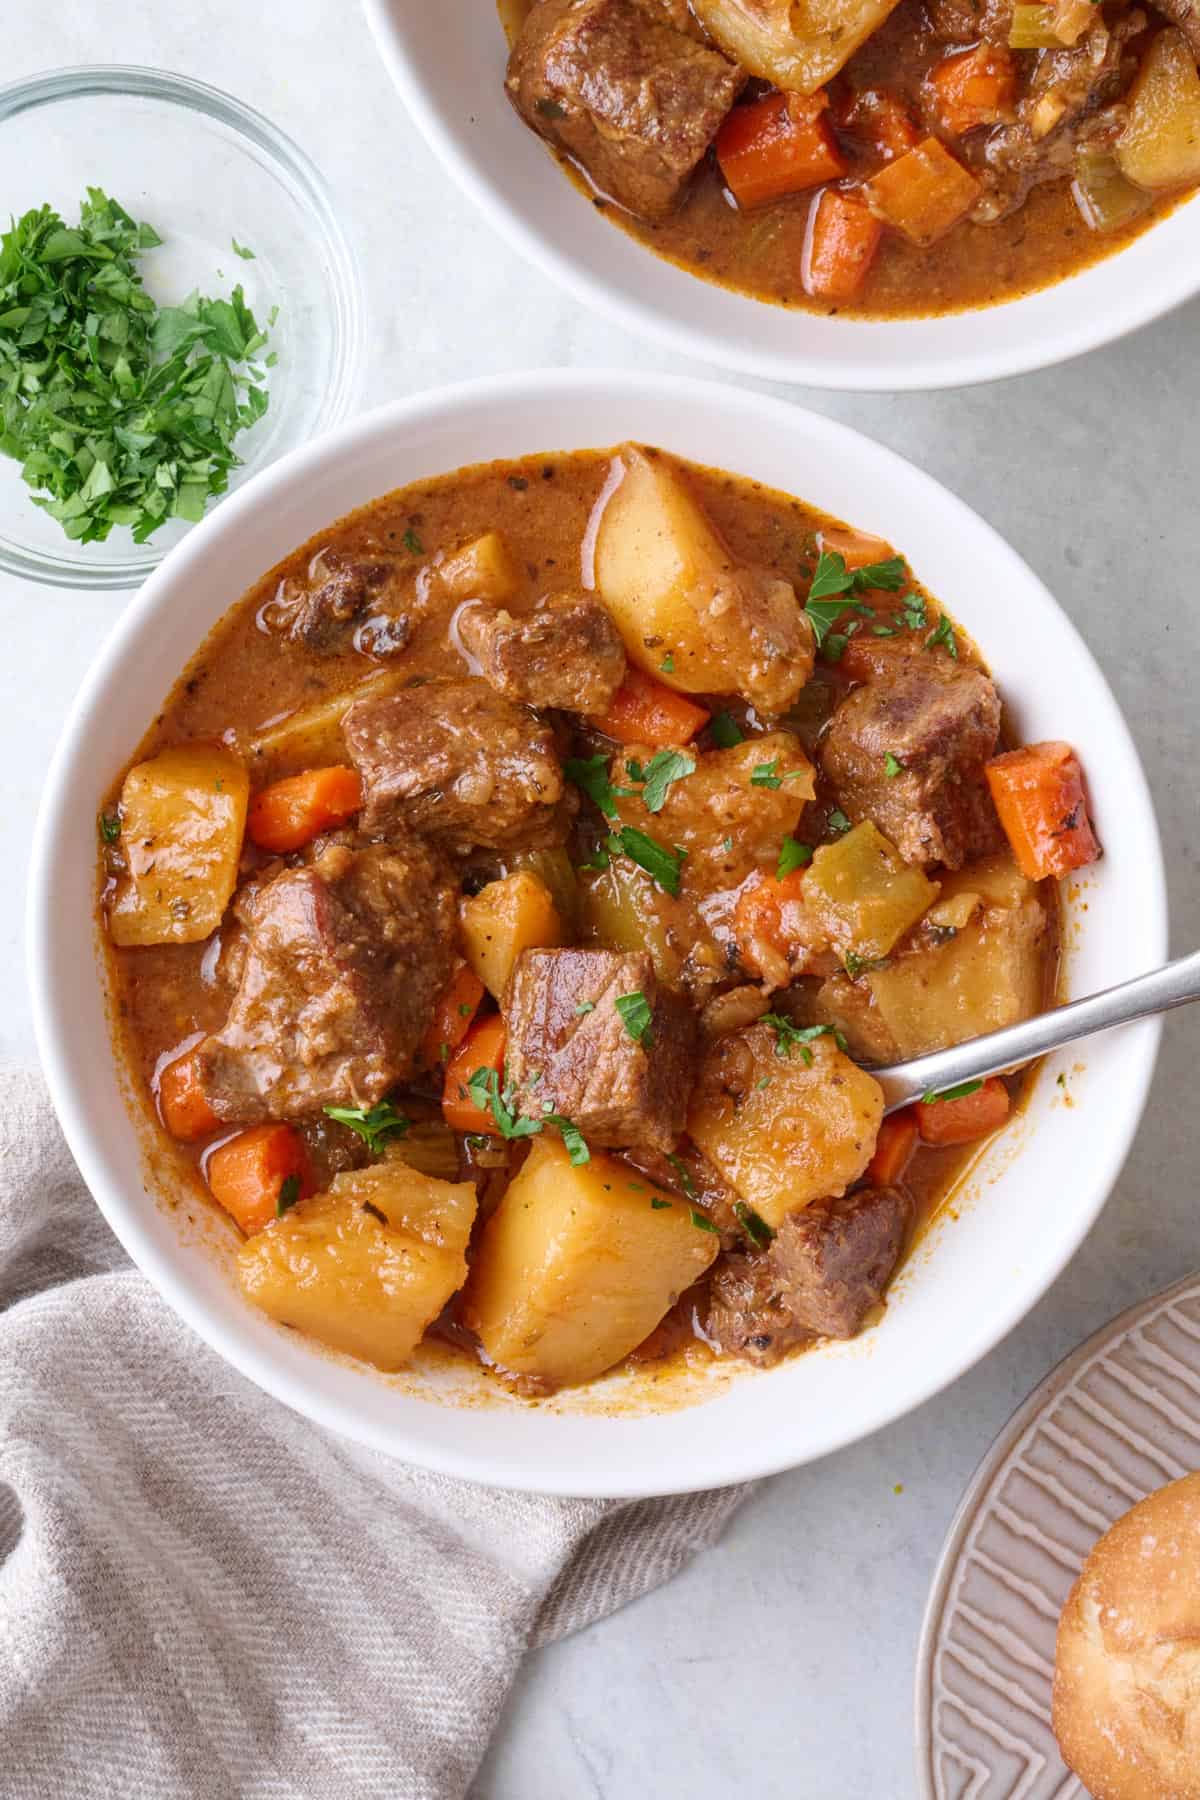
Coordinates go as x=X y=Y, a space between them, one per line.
x=1105 y=197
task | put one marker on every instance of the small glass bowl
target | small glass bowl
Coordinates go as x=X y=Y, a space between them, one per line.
x=203 y=169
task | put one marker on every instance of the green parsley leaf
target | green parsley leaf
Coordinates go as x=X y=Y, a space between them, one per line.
x=412 y=543
x=667 y=665
x=825 y=615
x=952 y=1093
x=599 y=860
x=591 y=774
x=573 y=1139
x=660 y=772
x=110 y=827
x=943 y=633
x=753 y=1224
x=763 y=774
x=242 y=250
x=484 y=1089
x=685 y=1179
x=887 y=575
x=833 y=592
x=635 y=1016
x=585 y=1006
x=666 y=866
x=792 y=856
x=789 y=1037
x=289 y=1193
x=913 y=612
x=374 y=1125
x=657 y=1204
x=838 y=820
x=726 y=731
x=831 y=576
x=892 y=765
x=862 y=965
x=702 y=1222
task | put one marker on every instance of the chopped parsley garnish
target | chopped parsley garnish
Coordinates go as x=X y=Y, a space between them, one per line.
x=585 y=1006
x=573 y=1139
x=834 y=590
x=657 y=1204
x=666 y=866
x=838 y=820
x=862 y=965
x=660 y=772
x=943 y=633
x=763 y=774
x=726 y=731
x=412 y=543
x=110 y=827
x=753 y=1224
x=789 y=1037
x=374 y=1125
x=913 y=612
x=242 y=250
x=952 y=1093
x=685 y=1180
x=121 y=412
x=289 y=1193
x=892 y=765
x=667 y=665
x=485 y=1090
x=702 y=1222
x=591 y=774
x=792 y=856
x=635 y=1015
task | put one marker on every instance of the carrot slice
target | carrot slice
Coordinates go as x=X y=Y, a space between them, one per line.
x=881 y=119
x=778 y=145
x=894 y=1148
x=453 y=1016
x=962 y=1120
x=976 y=87
x=182 y=1103
x=482 y=1048
x=839 y=246
x=247 y=1175
x=290 y=813
x=1039 y=795
x=645 y=711
x=924 y=193
x=760 y=921
x=857 y=549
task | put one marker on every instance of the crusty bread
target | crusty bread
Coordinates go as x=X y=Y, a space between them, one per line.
x=1127 y=1671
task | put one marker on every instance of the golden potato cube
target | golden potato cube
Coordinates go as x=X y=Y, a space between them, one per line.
x=577 y=1265
x=507 y=916
x=798 y=47
x=183 y=814
x=862 y=893
x=482 y=570
x=311 y=738
x=367 y=1266
x=784 y=1123
x=1159 y=148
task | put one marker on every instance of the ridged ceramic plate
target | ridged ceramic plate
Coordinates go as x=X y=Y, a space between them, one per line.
x=1117 y=1419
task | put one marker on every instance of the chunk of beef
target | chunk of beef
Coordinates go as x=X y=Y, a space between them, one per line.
x=459 y=763
x=619 y=89
x=567 y=654
x=330 y=605
x=341 y=962
x=967 y=21
x=570 y=1051
x=940 y=721
x=826 y=1267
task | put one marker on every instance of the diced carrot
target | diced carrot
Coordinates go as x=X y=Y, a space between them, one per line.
x=290 y=813
x=1040 y=797
x=975 y=87
x=765 y=919
x=882 y=120
x=182 y=1103
x=453 y=1016
x=924 y=193
x=963 y=1120
x=482 y=1048
x=778 y=145
x=839 y=246
x=857 y=549
x=893 y=1148
x=645 y=711
x=246 y=1175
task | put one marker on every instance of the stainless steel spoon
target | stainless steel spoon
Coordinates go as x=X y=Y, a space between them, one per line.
x=1173 y=985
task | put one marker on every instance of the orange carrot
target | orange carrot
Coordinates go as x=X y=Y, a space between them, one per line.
x=857 y=549
x=839 y=246
x=962 y=1120
x=247 y=1175
x=762 y=929
x=893 y=1148
x=976 y=87
x=482 y=1048
x=882 y=120
x=778 y=145
x=182 y=1103
x=453 y=1016
x=645 y=711
x=1040 y=798
x=290 y=813
x=924 y=193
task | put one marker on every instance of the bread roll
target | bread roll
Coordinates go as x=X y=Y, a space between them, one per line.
x=1127 y=1670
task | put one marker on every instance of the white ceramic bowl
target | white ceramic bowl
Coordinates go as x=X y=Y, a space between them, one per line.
x=1042 y=1183
x=448 y=63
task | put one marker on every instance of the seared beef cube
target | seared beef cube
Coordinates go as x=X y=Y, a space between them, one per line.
x=567 y=654
x=619 y=89
x=940 y=722
x=573 y=1051
x=826 y=1267
x=967 y=21
x=341 y=962
x=325 y=609
x=459 y=763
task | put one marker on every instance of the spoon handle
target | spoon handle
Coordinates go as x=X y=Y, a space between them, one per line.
x=1173 y=985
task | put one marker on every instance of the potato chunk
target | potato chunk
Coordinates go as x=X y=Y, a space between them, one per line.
x=1159 y=148
x=311 y=738
x=367 y=1266
x=784 y=1126
x=482 y=570
x=183 y=814
x=577 y=1265
x=863 y=895
x=789 y=44
x=678 y=595
x=507 y=916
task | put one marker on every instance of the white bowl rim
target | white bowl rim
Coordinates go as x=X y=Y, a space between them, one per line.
x=1082 y=327
x=564 y=394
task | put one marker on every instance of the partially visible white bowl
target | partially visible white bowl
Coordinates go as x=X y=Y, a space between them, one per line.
x=448 y=64
x=1042 y=1183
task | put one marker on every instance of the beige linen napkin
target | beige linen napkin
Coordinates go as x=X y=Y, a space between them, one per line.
x=201 y=1594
